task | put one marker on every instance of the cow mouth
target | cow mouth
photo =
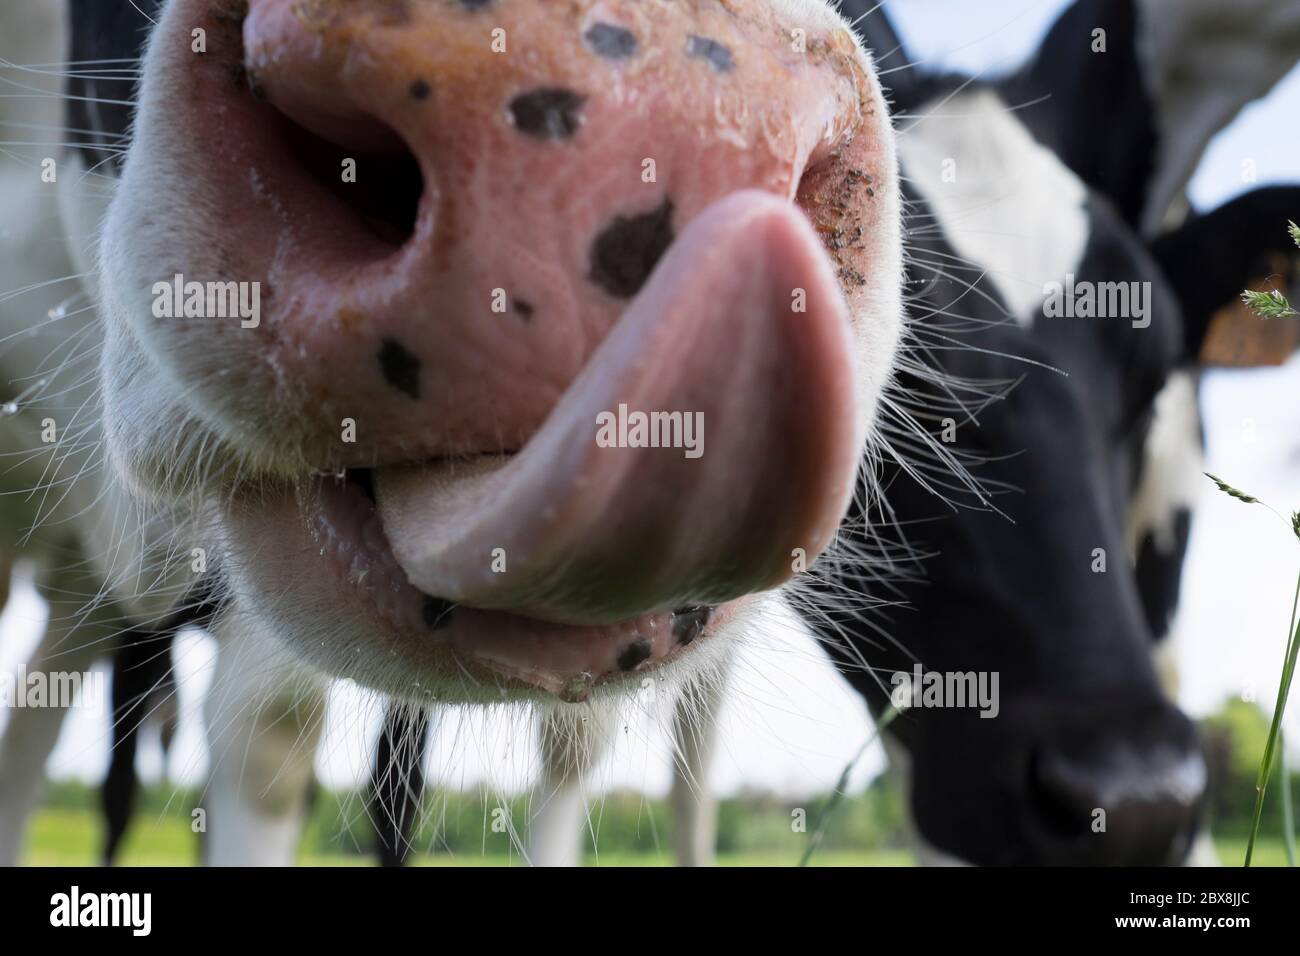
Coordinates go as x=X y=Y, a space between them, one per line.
x=575 y=560
x=590 y=554
x=342 y=521
x=568 y=558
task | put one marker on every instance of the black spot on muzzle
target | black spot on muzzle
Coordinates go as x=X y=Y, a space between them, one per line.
x=609 y=41
x=634 y=654
x=548 y=113
x=688 y=622
x=401 y=369
x=628 y=249
x=718 y=56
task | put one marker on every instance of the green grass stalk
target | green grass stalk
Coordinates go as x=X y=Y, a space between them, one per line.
x=824 y=818
x=1275 y=727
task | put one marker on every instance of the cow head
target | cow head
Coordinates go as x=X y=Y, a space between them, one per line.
x=1022 y=609
x=401 y=299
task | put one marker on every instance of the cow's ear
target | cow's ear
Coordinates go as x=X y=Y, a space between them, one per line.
x=1129 y=93
x=1206 y=60
x=1212 y=258
x=1086 y=97
x=903 y=81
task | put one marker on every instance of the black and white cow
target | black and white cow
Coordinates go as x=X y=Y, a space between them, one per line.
x=94 y=555
x=460 y=430
x=1060 y=569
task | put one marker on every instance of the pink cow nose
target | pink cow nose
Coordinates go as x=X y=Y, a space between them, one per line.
x=485 y=226
x=519 y=171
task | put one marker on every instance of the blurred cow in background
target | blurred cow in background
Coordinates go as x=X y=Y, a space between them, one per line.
x=1059 y=569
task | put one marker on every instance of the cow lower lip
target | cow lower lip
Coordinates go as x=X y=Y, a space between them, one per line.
x=341 y=521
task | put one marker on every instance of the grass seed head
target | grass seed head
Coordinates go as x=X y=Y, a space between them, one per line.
x=1227 y=489
x=1269 y=305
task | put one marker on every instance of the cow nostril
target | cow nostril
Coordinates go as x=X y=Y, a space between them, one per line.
x=1130 y=804
x=382 y=186
x=1060 y=801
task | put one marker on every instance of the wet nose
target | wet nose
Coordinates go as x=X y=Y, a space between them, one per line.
x=1130 y=796
x=459 y=200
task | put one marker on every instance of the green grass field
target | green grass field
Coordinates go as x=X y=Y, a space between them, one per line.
x=68 y=838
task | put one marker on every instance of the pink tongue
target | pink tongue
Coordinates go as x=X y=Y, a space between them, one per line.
x=742 y=328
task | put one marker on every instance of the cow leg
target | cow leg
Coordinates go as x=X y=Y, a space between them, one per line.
x=76 y=633
x=695 y=732
x=1203 y=851
x=264 y=721
x=141 y=668
x=572 y=742
x=397 y=781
